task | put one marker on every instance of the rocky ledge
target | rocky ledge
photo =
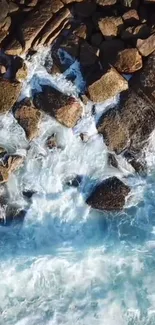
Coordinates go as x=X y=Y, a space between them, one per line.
x=110 y=39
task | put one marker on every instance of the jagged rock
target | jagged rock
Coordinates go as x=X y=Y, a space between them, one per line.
x=110 y=27
x=140 y=31
x=129 y=125
x=34 y=23
x=55 y=26
x=108 y=86
x=106 y=2
x=28 y=117
x=71 y=45
x=128 y=61
x=147 y=46
x=7 y=24
x=137 y=162
x=110 y=195
x=66 y=109
x=109 y=50
x=131 y=17
x=9 y=92
x=2 y=69
x=88 y=54
x=85 y=8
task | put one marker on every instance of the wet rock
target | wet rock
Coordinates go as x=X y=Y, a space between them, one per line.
x=28 y=117
x=22 y=72
x=108 y=86
x=84 y=137
x=75 y=182
x=110 y=195
x=81 y=31
x=130 y=3
x=137 y=162
x=128 y=61
x=52 y=141
x=129 y=125
x=112 y=161
x=9 y=96
x=85 y=8
x=13 y=213
x=13 y=162
x=3 y=152
x=147 y=46
x=71 y=45
x=66 y=109
x=110 y=27
x=28 y=194
x=131 y=17
x=109 y=50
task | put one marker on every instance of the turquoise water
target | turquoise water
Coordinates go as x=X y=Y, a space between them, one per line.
x=68 y=264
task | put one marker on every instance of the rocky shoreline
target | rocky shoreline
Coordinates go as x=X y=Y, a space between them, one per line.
x=110 y=39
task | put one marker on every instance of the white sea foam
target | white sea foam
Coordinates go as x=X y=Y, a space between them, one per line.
x=68 y=264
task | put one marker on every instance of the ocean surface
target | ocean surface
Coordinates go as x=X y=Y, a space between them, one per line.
x=68 y=264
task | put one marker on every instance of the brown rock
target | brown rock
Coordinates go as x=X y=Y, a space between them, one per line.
x=129 y=125
x=128 y=61
x=34 y=23
x=66 y=109
x=2 y=69
x=28 y=117
x=14 y=48
x=131 y=17
x=110 y=195
x=70 y=1
x=147 y=46
x=31 y=3
x=108 y=86
x=71 y=45
x=85 y=8
x=54 y=25
x=87 y=54
x=109 y=50
x=3 y=11
x=52 y=142
x=106 y=2
x=22 y=73
x=7 y=24
x=110 y=27
x=9 y=92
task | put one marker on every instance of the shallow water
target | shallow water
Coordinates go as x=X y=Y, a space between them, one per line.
x=68 y=264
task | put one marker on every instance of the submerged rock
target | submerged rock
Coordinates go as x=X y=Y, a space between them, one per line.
x=66 y=109
x=110 y=195
x=8 y=165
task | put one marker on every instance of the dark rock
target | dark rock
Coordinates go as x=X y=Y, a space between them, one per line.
x=109 y=50
x=85 y=8
x=75 y=182
x=106 y=2
x=81 y=31
x=137 y=162
x=3 y=11
x=66 y=109
x=133 y=33
x=96 y=39
x=110 y=195
x=88 y=54
x=52 y=141
x=131 y=17
x=112 y=161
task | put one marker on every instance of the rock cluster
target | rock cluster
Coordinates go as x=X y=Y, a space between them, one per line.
x=109 y=38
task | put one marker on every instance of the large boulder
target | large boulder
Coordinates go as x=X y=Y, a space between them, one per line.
x=110 y=195
x=28 y=117
x=109 y=85
x=9 y=92
x=110 y=27
x=129 y=125
x=66 y=109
